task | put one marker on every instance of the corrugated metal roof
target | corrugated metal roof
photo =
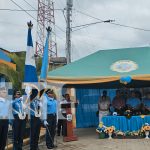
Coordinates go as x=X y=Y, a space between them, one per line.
x=4 y=56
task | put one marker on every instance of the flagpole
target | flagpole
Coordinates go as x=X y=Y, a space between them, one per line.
x=45 y=60
x=30 y=74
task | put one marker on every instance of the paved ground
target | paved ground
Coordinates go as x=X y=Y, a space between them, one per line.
x=89 y=141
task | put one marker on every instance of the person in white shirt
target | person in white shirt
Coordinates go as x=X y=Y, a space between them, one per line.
x=62 y=123
x=103 y=105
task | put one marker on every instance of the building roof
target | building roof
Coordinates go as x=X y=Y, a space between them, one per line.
x=104 y=66
x=4 y=56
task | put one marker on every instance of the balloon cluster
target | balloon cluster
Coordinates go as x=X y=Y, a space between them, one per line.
x=125 y=80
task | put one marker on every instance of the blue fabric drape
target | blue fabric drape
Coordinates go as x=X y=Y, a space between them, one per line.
x=88 y=106
x=123 y=124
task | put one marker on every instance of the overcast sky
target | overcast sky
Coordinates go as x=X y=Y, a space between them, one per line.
x=136 y=13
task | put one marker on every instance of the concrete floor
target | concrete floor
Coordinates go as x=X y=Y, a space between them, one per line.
x=88 y=141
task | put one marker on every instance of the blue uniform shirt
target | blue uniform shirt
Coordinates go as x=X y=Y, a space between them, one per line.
x=146 y=102
x=133 y=102
x=17 y=106
x=4 y=108
x=49 y=106
x=35 y=105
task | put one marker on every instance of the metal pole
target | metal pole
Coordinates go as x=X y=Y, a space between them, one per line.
x=68 y=30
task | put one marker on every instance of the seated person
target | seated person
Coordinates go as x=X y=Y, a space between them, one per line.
x=138 y=95
x=134 y=104
x=146 y=104
x=118 y=103
x=124 y=94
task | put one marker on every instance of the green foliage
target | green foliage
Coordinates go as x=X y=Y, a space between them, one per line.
x=20 y=63
x=16 y=77
x=38 y=65
x=11 y=74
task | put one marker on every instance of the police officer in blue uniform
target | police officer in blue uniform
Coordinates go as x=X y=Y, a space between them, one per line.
x=50 y=116
x=35 y=121
x=146 y=104
x=19 y=121
x=134 y=104
x=4 y=117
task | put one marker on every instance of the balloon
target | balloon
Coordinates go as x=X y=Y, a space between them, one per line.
x=125 y=80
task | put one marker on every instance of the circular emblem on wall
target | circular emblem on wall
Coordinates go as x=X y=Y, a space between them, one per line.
x=124 y=66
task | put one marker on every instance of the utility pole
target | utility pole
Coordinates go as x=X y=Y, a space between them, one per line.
x=68 y=30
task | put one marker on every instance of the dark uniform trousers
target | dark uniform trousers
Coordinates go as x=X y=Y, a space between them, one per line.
x=18 y=132
x=62 y=125
x=3 y=133
x=51 y=119
x=35 y=125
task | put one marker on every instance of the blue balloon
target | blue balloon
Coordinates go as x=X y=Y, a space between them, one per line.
x=125 y=80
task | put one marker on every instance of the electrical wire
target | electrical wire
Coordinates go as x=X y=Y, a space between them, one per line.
x=32 y=16
x=29 y=4
x=93 y=23
x=80 y=28
x=23 y=9
x=131 y=27
x=117 y=24
x=85 y=26
x=89 y=24
x=63 y=11
x=8 y=9
x=60 y=28
x=89 y=45
x=3 y=22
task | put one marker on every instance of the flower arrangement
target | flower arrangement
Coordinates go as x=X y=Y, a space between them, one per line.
x=110 y=131
x=100 y=130
x=119 y=133
x=128 y=114
x=134 y=133
x=103 y=130
x=142 y=116
x=146 y=129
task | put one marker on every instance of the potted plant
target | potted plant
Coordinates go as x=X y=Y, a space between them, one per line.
x=100 y=130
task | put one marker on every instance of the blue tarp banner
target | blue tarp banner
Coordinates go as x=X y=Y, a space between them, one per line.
x=88 y=106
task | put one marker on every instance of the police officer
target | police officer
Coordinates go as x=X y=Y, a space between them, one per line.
x=146 y=104
x=50 y=116
x=35 y=122
x=133 y=103
x=19 y=122
x=4 y=117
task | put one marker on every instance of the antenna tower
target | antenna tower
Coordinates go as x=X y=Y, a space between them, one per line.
x=45 y=18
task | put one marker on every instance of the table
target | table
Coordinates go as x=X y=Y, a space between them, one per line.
x=124 y=124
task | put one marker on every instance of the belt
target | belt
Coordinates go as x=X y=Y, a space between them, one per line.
x=3 y=117
x=54 y=114
x=104 y=109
